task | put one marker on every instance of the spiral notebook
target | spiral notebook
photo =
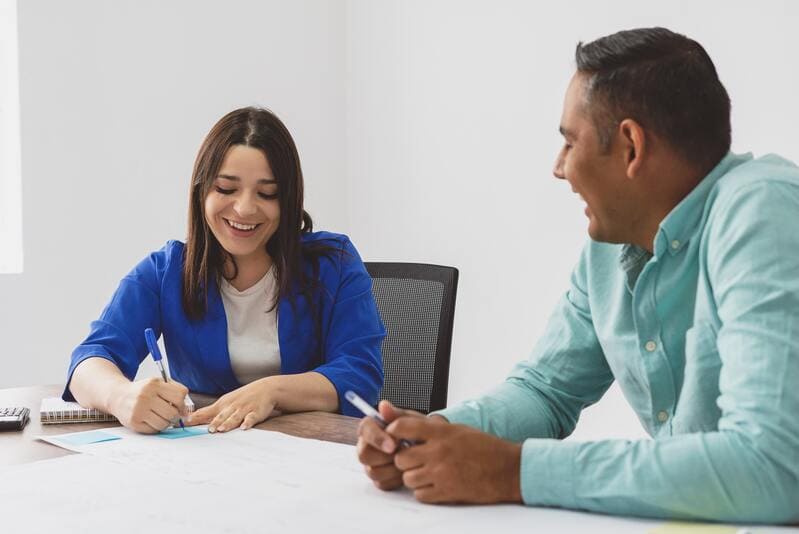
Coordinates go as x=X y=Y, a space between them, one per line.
x=54 y=410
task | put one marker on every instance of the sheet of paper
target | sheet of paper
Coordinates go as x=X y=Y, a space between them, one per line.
x=86 y=438
x=83 y=441
x=246 y=481
x=697 y=528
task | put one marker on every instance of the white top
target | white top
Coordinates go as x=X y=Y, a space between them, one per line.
x=252 y=329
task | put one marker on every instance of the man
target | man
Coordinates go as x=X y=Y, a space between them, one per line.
x=687 y=294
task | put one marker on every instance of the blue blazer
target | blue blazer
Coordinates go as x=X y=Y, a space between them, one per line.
x=347 y=352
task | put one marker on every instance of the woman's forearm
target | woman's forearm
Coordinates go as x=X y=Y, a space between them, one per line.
x=95 y=383
x=303 y=392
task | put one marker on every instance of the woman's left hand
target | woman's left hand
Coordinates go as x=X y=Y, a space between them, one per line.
x=242 y=408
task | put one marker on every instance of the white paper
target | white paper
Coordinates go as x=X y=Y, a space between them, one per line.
x=245 y=482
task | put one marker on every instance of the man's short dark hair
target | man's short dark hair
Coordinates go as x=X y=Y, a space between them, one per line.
x=664 y=81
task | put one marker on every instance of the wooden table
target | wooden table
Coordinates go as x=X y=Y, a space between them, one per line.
x=21 y=447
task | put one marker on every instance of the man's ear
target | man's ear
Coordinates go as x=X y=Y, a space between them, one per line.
x=633 y=142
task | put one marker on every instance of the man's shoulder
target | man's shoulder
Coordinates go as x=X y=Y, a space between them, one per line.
x=766 y=173
x=757 y=198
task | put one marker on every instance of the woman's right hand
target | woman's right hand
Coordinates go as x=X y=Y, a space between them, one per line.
x=150 y=405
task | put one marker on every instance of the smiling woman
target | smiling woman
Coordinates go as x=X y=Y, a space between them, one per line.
x=255 y=306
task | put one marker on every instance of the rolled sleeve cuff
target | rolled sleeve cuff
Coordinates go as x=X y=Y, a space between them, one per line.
x=77 y=358
x=466 y=413
x=547 y=472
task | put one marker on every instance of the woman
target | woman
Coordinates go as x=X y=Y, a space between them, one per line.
x=255 y=307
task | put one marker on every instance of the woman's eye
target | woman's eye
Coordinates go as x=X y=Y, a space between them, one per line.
x=224 y=191
x=268 y=196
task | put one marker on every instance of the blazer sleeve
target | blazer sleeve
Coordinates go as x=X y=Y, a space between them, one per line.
x=355 y=332
x=118 y=334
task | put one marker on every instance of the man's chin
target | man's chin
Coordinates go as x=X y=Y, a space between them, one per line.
x=597 y=233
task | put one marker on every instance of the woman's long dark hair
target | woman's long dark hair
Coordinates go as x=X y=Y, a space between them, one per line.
x=204 y=257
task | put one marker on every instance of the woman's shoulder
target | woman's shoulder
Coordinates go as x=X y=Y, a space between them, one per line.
x=170 y=255
x=323 y=237
x=160 y=263
x=334 y=251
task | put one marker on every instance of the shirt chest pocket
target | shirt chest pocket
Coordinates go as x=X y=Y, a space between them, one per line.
x=697 y=410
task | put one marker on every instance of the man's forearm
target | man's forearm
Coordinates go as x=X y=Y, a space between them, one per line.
x=510 y=411
x=720 y=476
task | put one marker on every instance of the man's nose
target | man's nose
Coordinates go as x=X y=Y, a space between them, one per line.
x=558 y=169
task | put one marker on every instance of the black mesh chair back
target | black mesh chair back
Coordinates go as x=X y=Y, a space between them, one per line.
x=417 y=304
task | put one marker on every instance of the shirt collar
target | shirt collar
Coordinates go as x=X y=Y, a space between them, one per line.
x=682 y=222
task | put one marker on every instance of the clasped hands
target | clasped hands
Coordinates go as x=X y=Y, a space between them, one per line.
x=449 y=463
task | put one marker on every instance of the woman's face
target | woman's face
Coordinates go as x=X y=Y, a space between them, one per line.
x=241 y=207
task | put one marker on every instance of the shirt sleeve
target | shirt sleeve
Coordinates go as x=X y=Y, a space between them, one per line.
x=543 y=396
x=748 y=469
x=118 y=334
x=354 y=336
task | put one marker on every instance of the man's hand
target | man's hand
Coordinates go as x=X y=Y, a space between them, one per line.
x=376 y=447
x=455 y=463
x=149 y=405
x=242 y=408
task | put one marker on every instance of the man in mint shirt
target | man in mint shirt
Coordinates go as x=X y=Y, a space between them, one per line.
x=687 y=294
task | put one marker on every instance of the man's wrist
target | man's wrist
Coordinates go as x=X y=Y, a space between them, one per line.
x=512 y=473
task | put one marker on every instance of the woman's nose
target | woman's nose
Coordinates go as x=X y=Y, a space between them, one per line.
x=245 y=205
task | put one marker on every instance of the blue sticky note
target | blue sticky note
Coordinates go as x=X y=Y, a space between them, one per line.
x=177 y=433
x=86 y=438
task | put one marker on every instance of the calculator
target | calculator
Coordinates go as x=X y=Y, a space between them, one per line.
x=14 y=418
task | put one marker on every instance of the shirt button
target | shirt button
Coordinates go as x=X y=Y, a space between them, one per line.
x=663 y=416
x=651 y=346
x=675 y=244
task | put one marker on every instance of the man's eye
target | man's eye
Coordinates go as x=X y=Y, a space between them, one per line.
x=224 y=191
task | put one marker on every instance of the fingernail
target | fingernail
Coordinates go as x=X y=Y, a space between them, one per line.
x=388 y=446
x=211 y=429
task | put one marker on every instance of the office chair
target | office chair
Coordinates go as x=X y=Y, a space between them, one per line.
x=417 y=304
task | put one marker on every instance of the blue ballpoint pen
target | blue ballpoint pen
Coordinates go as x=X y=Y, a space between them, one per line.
x=152 y=344
x=366 y=409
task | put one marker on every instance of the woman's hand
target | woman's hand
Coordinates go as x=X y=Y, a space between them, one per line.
x=242 y=408
x=149 y=405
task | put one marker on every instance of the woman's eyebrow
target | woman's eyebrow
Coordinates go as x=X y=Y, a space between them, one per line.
x=237 y=179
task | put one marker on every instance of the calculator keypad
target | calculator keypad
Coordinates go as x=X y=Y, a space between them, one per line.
x=13 y=418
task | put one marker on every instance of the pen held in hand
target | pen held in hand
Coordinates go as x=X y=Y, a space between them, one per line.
x=366 y=409
x=152 y=344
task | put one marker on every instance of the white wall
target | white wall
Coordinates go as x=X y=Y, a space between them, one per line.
x=427 y=131
x=10 y=179
x=116 y=98
x=453 y=114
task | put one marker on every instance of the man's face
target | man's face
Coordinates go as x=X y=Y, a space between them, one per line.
x=596 y=174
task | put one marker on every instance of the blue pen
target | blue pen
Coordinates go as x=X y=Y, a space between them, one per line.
x=368 y=411
x=152 y=344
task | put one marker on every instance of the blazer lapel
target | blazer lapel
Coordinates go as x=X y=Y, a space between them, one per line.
x=211 y=334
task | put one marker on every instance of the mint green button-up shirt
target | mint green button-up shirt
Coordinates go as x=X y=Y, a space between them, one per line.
x=703 y=339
